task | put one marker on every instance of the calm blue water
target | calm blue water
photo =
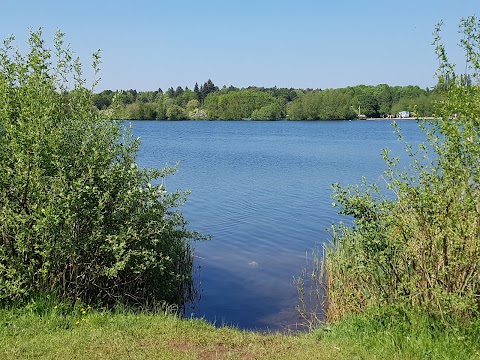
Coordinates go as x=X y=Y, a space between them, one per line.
x=262 y=191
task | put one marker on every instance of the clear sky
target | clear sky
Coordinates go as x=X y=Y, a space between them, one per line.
x=147 y=44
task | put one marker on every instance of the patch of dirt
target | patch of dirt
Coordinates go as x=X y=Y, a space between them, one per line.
x=215 y=352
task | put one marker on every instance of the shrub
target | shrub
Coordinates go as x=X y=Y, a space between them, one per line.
x=78 y=217
x=420 y=249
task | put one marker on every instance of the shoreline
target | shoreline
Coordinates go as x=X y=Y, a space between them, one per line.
x=398 y=118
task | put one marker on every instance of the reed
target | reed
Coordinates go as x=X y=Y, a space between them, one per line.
x=417 y=245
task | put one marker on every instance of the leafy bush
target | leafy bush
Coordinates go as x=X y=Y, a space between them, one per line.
x=420 y=249
x=78 y=217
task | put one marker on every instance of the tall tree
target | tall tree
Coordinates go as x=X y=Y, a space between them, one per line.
x=178 y=91
x=196 y=90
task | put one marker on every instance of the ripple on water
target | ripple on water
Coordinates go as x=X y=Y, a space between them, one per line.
x=262 y=191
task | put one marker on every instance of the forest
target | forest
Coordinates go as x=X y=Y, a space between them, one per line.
x=209 y=102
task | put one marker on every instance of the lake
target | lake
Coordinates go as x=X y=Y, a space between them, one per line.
x=262 y=191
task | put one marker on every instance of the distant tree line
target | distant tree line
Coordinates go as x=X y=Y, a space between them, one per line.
x=209 y=102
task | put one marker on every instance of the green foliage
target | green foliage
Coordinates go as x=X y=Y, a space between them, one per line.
x=273 y=111
x=419 y=248
x=322 y=105
x=372 y=101
x=306 y=107
x=141 y=111
x=237 y=105
x=104 y=99
x=422 y=106
x=259 y=103
x=365 y=101
x=175 y=112
x=192 y=105
x=78 y=217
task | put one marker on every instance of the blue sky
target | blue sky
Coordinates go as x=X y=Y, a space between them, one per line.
x=301 y=44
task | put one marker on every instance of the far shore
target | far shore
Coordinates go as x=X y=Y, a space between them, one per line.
x=400 y=118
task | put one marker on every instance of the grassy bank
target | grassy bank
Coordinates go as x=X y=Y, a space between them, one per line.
x=84 y=333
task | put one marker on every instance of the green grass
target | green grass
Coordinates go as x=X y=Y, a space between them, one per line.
x=391 y=334
x=41 y=332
